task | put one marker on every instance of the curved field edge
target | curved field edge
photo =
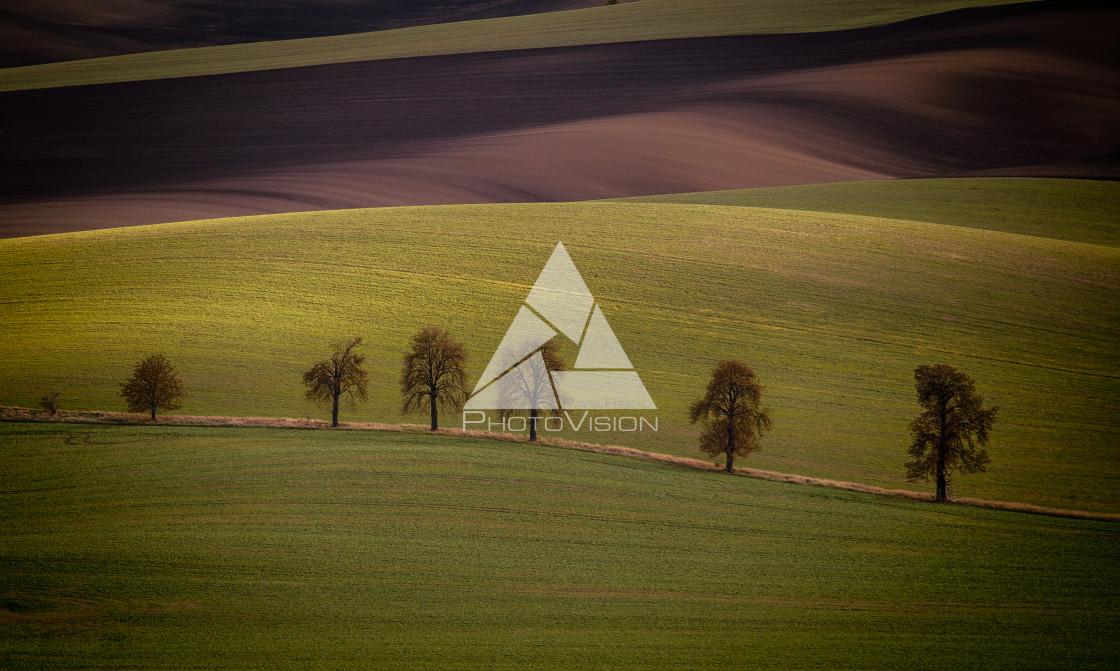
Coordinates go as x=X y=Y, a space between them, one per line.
x=287 y=549
x=17 y=414
x=1076 y=210
x=833 y=311
x=626 y=22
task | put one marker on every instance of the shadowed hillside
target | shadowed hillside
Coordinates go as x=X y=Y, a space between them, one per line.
x=59 y=30
x=1030 y=90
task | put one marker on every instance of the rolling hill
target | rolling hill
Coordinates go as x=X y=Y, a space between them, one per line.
x=832 y=192
x=833 y=310
x=563 y=123
x=52 y=31
x=174 y=547
x=1074 y=210
x=540 y=25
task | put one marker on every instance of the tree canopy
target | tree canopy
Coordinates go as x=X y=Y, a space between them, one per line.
x=153 y=385
x=731 y=412
x=433 y=373
x=950 y=432
x=530 y=386
x=340 y=375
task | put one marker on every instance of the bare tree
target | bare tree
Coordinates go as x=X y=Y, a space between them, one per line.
x=952 y=428
x=733 y=421
x=154 y=385
x=530 y=386
x=433 y=373
x=340 y=375
x=49 y=403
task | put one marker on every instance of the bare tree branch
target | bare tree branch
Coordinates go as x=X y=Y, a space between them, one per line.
x=433 y=374
x=341 y=375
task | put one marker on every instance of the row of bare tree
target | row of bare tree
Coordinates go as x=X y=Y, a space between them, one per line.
x=433 y=375
x=949 y=434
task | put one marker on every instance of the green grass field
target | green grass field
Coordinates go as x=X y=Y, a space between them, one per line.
x=625 y=22
x=834 y=311
x=1065 y=209
x=161 y=547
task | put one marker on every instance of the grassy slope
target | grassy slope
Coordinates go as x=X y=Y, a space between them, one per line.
x=1065 y=209
x=834 y=311
x=626 y=22
x=236 y=548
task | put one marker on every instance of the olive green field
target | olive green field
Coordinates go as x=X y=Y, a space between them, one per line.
x=954 y=201
x=833 y=310
x=1066 y=209
x=225 y=548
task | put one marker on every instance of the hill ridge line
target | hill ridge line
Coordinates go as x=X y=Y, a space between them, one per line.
x=652 y=200
x=22 y=414
x=559 y=29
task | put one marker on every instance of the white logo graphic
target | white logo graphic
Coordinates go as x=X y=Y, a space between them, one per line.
x=518 y=378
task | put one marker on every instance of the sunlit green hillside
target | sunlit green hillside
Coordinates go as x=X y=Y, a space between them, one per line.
x=834 y=312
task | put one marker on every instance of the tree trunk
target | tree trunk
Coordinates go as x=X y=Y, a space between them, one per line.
x=730 y=444
x=334 y=411
x=941 y=493
x=532 y=425
x=435 y=413
x=940 y=497
x=153 y=413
